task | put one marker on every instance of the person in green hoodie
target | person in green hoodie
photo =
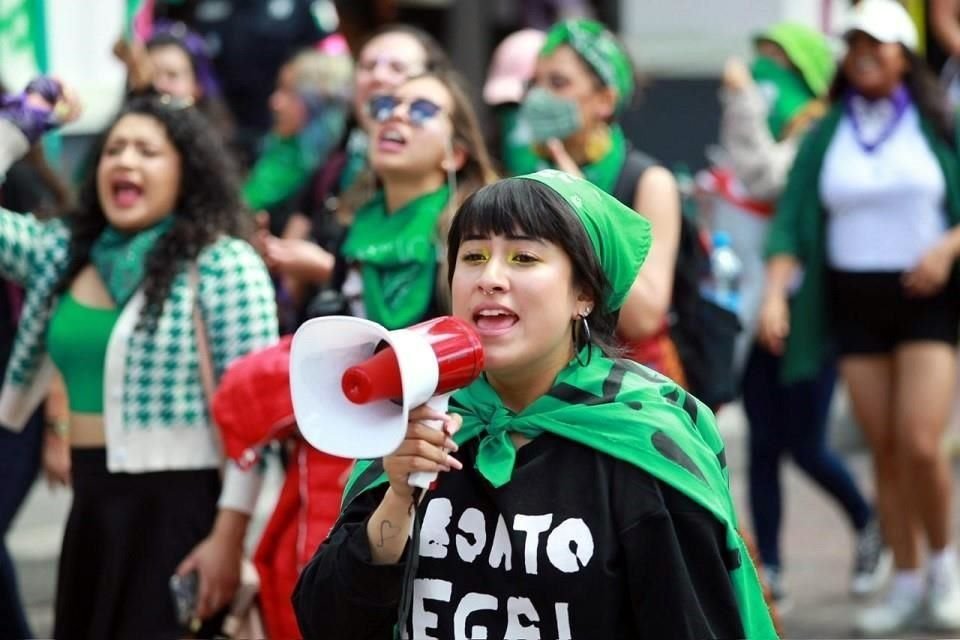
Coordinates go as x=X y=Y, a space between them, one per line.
x=862 y=260
x=766 y=110
x=580 y=495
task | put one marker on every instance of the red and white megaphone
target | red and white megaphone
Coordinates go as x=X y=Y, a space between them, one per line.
x=353 y=383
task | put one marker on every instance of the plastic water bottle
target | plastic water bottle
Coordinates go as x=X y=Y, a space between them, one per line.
x=722 y=286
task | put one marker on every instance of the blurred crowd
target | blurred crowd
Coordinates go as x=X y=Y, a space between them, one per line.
x=317 y=173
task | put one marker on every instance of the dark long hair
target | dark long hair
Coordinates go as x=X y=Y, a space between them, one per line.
x=531 y=208
x=207 y=206
x=928 y=96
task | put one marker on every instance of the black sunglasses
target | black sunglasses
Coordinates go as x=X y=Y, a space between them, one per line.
x=419 y=110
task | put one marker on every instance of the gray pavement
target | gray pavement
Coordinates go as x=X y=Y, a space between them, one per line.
x=817 y=543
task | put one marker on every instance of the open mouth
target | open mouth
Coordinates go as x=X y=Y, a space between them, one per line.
x=391 y=140
x=126 y=193
x=494 y=321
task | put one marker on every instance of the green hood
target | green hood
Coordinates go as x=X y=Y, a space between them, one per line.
x=808 y=50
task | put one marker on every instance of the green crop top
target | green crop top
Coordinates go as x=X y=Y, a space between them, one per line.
x=77 y=343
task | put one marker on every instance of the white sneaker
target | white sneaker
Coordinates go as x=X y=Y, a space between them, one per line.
x=873 y=562
x=943 y=601
x=900 y=609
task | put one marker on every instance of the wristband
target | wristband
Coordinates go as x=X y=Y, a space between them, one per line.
x=32 y=121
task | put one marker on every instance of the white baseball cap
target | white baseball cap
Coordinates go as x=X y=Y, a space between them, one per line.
x=883 y=20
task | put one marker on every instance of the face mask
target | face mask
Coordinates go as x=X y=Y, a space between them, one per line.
x=784 y=91
x=547 y=116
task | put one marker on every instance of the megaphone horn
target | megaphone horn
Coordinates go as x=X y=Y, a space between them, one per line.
x=353 y=383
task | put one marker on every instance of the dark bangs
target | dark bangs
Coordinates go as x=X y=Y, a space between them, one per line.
x=516 y=207
x=524 y=207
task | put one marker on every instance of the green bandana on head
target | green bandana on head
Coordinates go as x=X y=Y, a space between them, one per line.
x=600 y=49
x=397 y=255
x=620 y=236
x=120 y=258
x=628 y=412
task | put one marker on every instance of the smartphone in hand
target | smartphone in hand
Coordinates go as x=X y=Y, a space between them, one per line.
x=184 y=592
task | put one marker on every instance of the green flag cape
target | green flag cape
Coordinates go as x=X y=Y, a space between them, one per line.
x=626 y=411
x=397 y=254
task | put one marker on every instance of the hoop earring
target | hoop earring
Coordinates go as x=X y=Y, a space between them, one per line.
x=585 y=331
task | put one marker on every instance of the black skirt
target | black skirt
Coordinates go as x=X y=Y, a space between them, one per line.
x=125 y=536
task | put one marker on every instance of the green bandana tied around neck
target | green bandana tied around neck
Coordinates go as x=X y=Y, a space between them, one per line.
x=600 y=49
x=397 y=254
x=628 y=412
x=120 y=258
x=516 y=148
x=605 y=171
x=620 y=236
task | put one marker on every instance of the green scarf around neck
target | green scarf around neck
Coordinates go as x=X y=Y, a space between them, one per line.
x=605 y=171
x=120 y=258
x=628 y=412
x=397 y=254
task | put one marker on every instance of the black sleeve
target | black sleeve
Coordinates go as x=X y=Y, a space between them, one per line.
x=679 y=581
x=341 y=594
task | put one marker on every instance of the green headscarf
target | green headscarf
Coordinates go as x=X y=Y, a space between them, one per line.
x=600 y=49
x=620 y=236
x=397 y=254
x=808 y=50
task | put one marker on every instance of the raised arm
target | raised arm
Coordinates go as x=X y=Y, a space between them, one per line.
x=23 y=119
x=760 y=162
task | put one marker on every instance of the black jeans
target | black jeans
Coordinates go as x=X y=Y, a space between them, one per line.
x=791 y=420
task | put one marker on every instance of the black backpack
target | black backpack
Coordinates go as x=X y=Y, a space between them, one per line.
x=704 y=334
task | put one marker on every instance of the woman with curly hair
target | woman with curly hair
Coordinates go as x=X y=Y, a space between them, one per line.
x=116 y=293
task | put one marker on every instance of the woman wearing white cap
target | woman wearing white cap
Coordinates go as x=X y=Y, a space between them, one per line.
x=878 y=246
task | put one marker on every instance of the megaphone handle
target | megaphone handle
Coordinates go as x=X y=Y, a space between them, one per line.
x=423 y=479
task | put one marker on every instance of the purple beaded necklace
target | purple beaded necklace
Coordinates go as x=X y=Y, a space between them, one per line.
x=875 y=120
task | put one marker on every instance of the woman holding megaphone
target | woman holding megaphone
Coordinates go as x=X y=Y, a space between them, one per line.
x=579 y=494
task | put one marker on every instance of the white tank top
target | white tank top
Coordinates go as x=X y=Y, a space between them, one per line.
x=885 y=208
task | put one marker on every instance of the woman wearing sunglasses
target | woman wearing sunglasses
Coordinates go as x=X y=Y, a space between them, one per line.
x=427 y=152
x=303 y=253
x=578 y=496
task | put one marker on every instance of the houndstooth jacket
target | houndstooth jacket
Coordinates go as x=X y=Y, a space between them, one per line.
x=155 y=412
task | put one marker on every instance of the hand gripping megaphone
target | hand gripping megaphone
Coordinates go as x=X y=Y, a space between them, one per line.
x=353 y=383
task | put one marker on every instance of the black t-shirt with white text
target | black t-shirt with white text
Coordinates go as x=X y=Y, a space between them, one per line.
x=578 y=545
